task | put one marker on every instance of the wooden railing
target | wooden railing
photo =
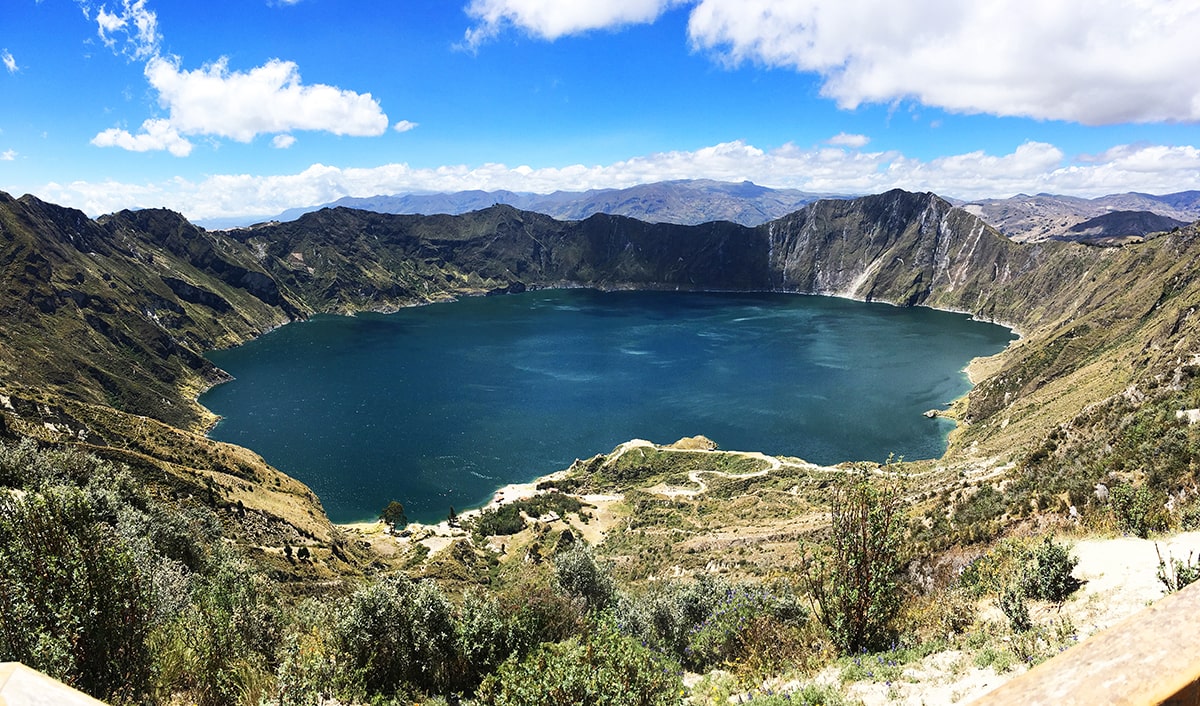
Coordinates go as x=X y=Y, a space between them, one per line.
x=1152 y=657
x=22 y=686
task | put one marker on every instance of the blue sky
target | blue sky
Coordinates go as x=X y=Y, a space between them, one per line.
x=248 y=107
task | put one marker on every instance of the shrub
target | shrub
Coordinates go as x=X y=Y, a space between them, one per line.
x=221 y=647
x=309 y=673
x=578 y=574
x=499 y=521
x=399 y=635
x=599 y=668
x=1047 y=572
x=854 y=588
x=1012 y=603
x=1136 y=510
x=485 y=636
x=73 y=600
x=1174 y=573
x=711 y=622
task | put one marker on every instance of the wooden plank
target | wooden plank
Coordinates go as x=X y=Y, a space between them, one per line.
x=1150 y=658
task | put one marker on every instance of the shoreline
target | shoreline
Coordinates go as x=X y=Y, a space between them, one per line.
x=503 y=495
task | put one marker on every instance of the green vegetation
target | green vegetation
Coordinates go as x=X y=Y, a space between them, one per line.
x=393 y=515
x=855 y=587
x=1174 y=573
x=164 y=567
x=601 y=667
x=506 y=519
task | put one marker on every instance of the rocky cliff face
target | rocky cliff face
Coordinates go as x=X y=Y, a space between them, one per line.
x=905 y=248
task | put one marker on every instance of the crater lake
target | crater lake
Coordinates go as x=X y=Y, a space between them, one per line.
x=440 y=405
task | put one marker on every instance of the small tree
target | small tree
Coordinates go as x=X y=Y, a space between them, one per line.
x=394 y=515
x=854 y=588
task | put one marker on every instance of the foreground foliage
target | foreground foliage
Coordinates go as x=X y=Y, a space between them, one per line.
x=136 y=599
x=854 y=587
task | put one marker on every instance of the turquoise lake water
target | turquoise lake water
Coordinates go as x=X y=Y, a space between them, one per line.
x=440 y=405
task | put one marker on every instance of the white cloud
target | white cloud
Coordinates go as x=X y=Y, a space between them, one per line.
x=156 y=135
x=1078 y=60
x=8 y=155
x=1108 y=62
x=551 y=19
x=216 y=102
x=268 y=99
x=1030 y=168
x=9 y=62
x=130 y=29
x=843 y=139
x=404 y=126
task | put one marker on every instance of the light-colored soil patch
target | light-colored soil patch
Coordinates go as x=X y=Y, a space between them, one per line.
x=1119 y=577
x=944 y=678
x=1119 y=580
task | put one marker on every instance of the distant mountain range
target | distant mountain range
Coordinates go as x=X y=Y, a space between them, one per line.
x=1027 y=218
x=1105 y=220
x=683 y=202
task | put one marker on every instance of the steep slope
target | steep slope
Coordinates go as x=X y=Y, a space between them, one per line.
x=118 y=312
x=103 y=326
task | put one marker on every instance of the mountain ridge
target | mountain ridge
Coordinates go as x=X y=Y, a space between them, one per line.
x=691 y=202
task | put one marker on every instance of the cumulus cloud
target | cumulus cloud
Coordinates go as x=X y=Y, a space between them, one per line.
x=8 y=155
x=1089 y=62
x=271 y=98
x=130 y=28
x=1093 y=63
x=156 y=135
x=214 y=101
x=551 y=19
x=1032 y=167
x=404 y=126
x=843 y=139
x=9 y=62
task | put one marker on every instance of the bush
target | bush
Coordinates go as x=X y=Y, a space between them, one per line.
x=989 y=573
x=73 y=600
x=599 y=668
x=221 y=648
x=1137 y=510
x=500 y=521
x=1047 y=572
x=1174 y=573
x=578 y=575
x=1012 y=603
x=399 y=636
x=711 y=622
x=855 y=588
x=485 y=636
